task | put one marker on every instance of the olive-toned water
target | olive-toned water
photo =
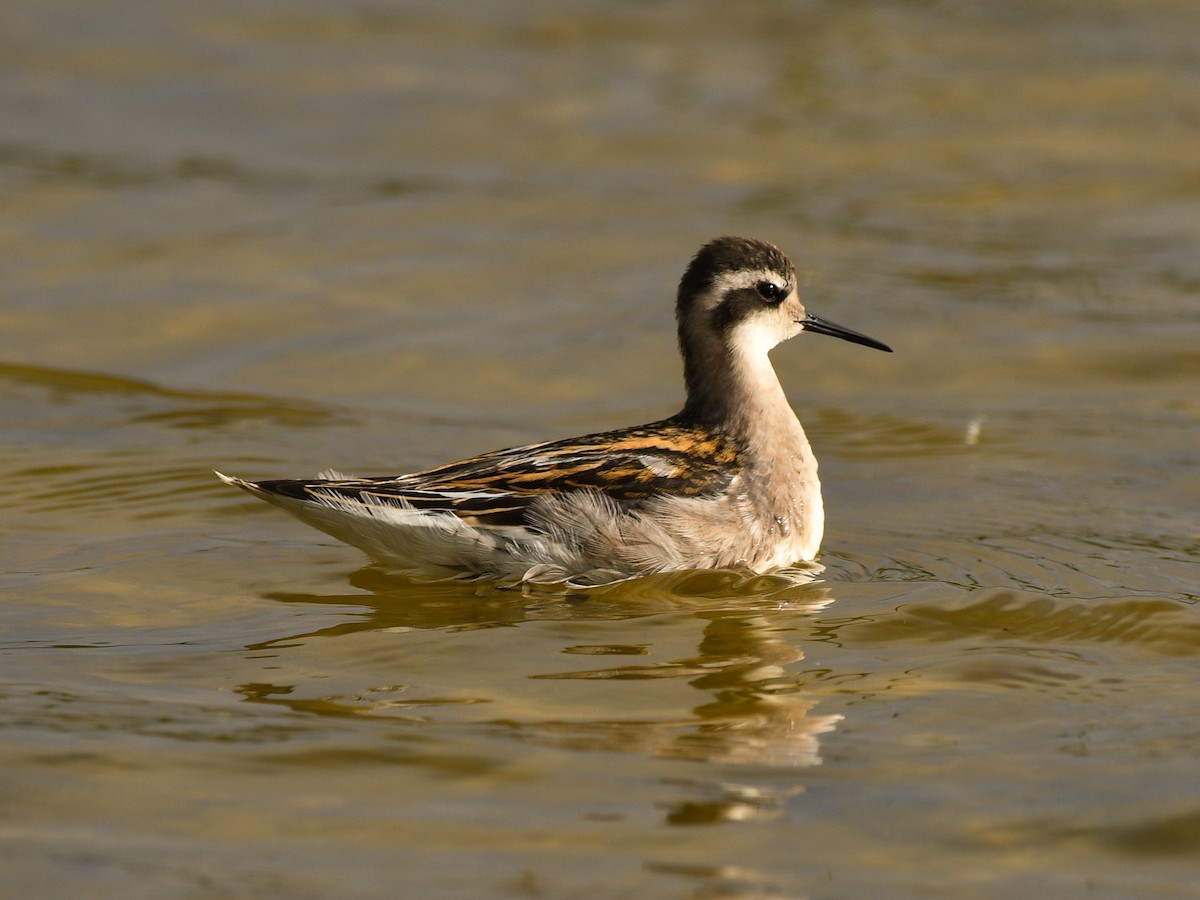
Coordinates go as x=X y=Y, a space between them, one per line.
x=272 y=238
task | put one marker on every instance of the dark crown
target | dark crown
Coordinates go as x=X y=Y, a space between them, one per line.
x=729 y=254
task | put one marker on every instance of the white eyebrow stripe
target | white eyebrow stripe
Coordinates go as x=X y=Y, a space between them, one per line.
x=746 y=278
x=739 y=280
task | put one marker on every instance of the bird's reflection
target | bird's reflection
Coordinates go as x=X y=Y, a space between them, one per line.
x=751 y=629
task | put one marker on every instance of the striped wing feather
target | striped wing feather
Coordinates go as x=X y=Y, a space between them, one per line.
x=629 y=466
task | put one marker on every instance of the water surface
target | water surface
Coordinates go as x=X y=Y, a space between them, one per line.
x=377 y=237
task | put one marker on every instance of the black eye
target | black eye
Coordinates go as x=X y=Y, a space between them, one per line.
x=769 y=291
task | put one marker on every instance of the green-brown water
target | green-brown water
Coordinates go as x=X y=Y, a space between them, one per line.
x=271 y=238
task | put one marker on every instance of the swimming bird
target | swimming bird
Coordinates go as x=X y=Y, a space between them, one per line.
x=730 y=481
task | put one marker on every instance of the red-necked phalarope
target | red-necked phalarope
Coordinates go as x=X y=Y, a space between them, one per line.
x=728 y=482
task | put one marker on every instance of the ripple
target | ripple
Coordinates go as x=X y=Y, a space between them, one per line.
x=1172 y=836
x=1159 y=626
x=883 y=436
x=144 y=401
x=88 y=444
x=1081 y=563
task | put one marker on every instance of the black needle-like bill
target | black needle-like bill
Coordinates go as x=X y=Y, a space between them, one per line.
x=824 y=326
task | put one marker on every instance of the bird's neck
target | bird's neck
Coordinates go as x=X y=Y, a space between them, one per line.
x=736 y=388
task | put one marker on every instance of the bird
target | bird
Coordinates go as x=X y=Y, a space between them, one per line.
x=728 y=482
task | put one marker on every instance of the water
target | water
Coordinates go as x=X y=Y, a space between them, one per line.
x=270 y=240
